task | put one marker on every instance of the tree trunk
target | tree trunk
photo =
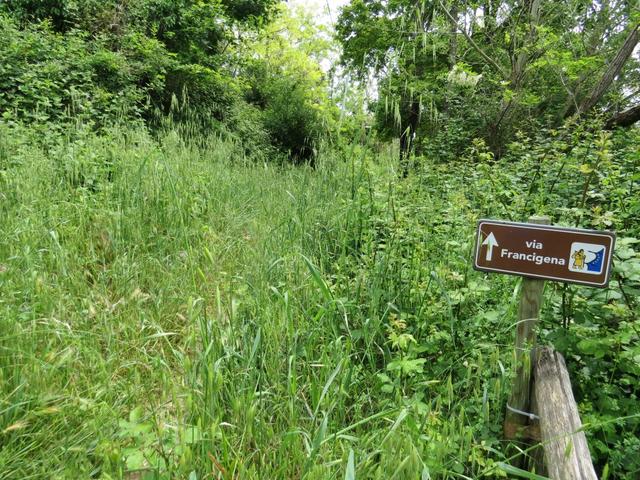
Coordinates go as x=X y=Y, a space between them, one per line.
x=613 y=70
x=408 y=134
x=475 y=46
x=453 y=53
x=593 y=40
x=517 y=71
x=453 y=39
x=518 y=65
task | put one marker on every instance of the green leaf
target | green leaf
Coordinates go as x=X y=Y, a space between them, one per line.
x=135 y=460
x=192 y=435
x=408 y=367
x=350 y=474
x=598 y=347
x=317 y=278
x=135 y=415
x=519 y=472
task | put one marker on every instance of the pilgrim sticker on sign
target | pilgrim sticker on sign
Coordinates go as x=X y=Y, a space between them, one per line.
x=587 y=258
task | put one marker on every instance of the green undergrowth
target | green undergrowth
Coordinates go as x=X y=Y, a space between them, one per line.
x=170 y=309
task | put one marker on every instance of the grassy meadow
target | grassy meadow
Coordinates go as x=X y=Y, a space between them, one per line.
x=170 y=309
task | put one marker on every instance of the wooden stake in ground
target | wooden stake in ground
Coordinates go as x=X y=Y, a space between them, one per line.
x=528 y=313
x=566 y=450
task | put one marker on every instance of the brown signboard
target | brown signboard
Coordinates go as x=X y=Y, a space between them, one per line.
x=542 y=251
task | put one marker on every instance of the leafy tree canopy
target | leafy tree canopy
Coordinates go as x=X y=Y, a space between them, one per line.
x=448 y=69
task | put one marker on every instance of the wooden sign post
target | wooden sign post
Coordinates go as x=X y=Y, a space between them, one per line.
x=528 y=313
x=539 y=252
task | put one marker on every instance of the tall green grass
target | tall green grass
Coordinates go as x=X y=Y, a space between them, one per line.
x=171 y=309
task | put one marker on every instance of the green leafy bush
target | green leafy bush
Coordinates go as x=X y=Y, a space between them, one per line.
x=49 y=77
x=285 y=80
x=295 y=125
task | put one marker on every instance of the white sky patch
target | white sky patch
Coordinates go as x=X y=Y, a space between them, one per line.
x=325 y=11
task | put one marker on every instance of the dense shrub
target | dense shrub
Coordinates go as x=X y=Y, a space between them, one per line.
x=45 y=76
x=293 y=120
x=103 y=62
x=286 y=82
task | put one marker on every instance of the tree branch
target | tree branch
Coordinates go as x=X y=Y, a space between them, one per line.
x=486 y=57
x=614 y=69
x=625 y=118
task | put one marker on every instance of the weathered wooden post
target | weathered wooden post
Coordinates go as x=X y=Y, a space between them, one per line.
x=528 y=313
x=566 y=451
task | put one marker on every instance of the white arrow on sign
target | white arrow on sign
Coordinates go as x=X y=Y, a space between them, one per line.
x=490 y=242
